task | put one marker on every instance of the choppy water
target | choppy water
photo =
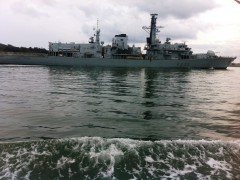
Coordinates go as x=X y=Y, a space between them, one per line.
x=116 y=123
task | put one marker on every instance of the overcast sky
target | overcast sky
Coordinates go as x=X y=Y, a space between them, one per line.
x=203 y=24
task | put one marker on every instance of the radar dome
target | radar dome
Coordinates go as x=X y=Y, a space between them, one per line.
x=210 y=53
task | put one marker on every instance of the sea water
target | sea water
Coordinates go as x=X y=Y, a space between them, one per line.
x=119 y=123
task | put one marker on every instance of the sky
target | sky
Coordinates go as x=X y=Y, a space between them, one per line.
x=202 y=24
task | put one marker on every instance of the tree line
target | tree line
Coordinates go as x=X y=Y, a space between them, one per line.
x=10 y=48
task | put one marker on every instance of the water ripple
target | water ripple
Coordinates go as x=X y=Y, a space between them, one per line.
x=60 y=102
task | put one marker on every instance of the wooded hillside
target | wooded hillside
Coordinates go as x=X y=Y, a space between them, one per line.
x=10 y=48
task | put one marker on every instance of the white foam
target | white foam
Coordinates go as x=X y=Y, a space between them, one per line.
x=220 y=151
x=108 y=152
x=111 y=153
x=128 y=141
x=219 y=165
x=176 y=173
x=63 y=161
x=170 y=155
x=149 y=159
x=131 y=142
x=6 y=172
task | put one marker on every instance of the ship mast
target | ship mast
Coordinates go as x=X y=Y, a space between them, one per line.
x=152 y=30
x=97 y=34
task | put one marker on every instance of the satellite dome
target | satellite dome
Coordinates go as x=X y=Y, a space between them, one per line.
x=211 y=53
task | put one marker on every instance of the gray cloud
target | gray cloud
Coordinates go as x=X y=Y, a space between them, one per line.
x=129 y=16
x=29 y=9
x=78 y=17
x=178 y=9
x=120 y=16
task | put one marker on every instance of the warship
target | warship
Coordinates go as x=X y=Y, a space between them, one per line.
x=120 y=54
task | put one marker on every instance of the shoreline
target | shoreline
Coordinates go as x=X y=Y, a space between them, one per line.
x=235 y=65
x=23 y=54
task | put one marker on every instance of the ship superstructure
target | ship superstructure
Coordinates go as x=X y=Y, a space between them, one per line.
x=157 y=50
x=93 y=49
x=121 y=50
x=118 y=50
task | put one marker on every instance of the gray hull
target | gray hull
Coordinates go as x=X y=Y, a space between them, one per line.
x=217 y=63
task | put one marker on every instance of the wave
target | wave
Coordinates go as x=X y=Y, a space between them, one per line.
x=118 y=158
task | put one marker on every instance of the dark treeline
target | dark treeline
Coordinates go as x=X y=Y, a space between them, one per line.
x=10 y=48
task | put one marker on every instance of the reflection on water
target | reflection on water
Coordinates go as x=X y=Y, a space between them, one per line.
x=55 y=102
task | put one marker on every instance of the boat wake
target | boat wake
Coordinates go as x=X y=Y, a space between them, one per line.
x=96 y=158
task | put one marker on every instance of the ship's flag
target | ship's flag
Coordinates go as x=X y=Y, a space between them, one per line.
x=238 y=1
